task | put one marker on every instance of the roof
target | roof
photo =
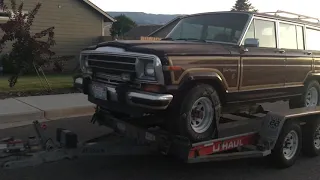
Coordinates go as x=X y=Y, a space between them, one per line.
x=106 y=15
x=268 y=15
x=168 y=23
x=302 y=19
x=142 y=30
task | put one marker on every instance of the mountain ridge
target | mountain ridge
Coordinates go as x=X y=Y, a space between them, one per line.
x=142 y=18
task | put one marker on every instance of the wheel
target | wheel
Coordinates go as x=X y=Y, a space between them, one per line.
x=309 y=98
x=311 y=138
x=288 y=145
x=199 y=114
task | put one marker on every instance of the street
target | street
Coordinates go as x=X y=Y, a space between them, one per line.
x=147 y=167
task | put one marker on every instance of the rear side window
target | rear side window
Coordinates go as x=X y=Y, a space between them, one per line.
x=312 y=39
x=290 y=36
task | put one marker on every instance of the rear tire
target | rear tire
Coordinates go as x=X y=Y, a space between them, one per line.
x=199 y=114
x=311 y=89
x=311 y=138
x=288 y=145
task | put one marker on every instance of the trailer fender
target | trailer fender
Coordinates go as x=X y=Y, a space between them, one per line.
x=271 y=127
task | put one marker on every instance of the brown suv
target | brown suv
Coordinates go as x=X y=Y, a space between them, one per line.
x=209 y=64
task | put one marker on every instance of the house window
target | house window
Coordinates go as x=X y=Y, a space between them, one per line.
x=4 y=16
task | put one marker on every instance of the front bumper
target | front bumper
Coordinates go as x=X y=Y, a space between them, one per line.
x=141 y=99
x=126 y=96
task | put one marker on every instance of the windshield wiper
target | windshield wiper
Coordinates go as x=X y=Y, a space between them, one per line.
x=166 y=39
x=191 y=39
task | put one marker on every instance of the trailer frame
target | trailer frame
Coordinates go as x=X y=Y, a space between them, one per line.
x=268 y=140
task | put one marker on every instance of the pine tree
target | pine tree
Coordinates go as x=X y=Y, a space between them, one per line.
x=243 y=5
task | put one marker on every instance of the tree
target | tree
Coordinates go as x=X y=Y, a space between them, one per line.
x=29 y=51
x=243 y=5
x=122 y=25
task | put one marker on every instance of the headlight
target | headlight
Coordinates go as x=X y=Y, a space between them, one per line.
x=84 y=64
x=149 y=69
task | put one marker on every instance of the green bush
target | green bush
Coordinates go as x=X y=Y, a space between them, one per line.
x=28 y=49
x=6 y=64
x=9 y=67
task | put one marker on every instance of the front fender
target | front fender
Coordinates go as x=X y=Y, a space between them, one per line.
x=200 y=75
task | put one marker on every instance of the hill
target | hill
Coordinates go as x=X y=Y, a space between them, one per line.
x=142 y=18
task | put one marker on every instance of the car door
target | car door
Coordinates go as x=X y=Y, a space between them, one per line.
x=298 y=62
x=262 y=67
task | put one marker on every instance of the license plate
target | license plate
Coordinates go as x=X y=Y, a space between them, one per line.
x=99 y=91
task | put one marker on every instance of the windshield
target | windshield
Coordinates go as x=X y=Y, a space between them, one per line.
x=220 y=27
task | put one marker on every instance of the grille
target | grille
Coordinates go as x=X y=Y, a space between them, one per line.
x=115 y=65
x=108 y=68
x=107 y=78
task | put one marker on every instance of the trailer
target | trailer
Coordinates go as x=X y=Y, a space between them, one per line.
x=279 y=136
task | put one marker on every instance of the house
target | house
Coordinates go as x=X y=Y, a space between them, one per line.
x=78 y=23
x=164 y=30
x=142 y=30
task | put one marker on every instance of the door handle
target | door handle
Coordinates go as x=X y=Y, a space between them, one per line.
x=281 y=51
x=308 y=53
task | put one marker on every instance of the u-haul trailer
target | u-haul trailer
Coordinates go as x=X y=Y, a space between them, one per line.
x=279 y=135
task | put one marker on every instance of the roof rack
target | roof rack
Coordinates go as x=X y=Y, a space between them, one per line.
x=297 y=16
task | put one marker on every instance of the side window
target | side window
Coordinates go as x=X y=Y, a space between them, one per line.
x=287 y=36
x=250 y=32
x=312 y=39
x=300 y=38
x=265 y=32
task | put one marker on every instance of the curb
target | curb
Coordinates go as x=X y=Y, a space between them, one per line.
x=13 y=110
x=20 y=117
x=23 y=119
x=69 y=112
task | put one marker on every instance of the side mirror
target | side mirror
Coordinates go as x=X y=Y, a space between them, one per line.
x=251 y=42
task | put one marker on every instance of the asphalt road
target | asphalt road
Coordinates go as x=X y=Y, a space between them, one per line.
x=148 y=167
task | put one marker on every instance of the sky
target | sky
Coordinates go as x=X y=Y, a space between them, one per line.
x=305 y=7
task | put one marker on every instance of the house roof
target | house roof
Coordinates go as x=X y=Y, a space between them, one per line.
x=170 y=22
x=106 y=15
x=142 y=30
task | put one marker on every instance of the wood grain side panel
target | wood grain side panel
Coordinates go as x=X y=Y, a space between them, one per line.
x=296 y=70
x=317 y=64
x=262 y=72
x=227 y=67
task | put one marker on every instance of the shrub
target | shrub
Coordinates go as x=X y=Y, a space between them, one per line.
x=28 y=50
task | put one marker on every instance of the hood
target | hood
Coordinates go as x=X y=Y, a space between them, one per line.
x=166 y=47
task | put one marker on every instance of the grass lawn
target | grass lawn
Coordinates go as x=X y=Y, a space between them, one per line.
x=32 y=83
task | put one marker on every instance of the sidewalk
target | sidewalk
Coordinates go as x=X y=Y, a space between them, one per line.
x=24 y=110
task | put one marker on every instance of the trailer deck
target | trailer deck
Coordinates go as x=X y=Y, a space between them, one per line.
x=240 y=136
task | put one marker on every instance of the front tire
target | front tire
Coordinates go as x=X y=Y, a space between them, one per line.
x=199 y=114
x=309 y=98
